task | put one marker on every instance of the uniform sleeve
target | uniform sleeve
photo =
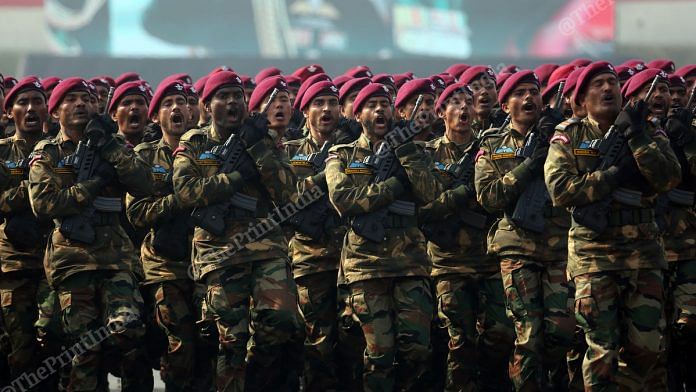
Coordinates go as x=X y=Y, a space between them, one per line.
x=690 y=152
x=146 y=211
x=191 y=185
x=132 y=172
x=47 y=198
x=566 y=185
x=424 y=185
x=276 y=174
x=656 y=161
x=15 y=199
x=350 y=199
x=494 y=191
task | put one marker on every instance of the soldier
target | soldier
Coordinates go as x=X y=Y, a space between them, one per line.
x=192 y=106
x=23 y=283
x=92 y=275
x=617 y=267
x=279 y=111
x=102 y=85
x=239 y=264
x=688 y=72
x=532 y=261
x=165 y=251
x=128 y=109
x=405 y=104
x=347 y=94
x=468 y=284
x=482 y=80
x=388 y=277
x=204 y=115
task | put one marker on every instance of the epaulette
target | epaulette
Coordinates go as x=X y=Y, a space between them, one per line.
x=193 y=133
x=41 y=145
x=294 y=142
x=6 y=140
x=144 y=146
x=488 y=133
x=432 y=144
x=571 y=121
x=341 y=146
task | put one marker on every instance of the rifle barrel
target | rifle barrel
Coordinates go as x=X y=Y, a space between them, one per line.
x=419 y=101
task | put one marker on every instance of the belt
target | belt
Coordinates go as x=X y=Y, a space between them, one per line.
x=105 y=218
x=633 y=216
x=554 y=212
x=399 y=221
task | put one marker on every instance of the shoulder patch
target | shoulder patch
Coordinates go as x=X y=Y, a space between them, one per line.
x=565 y=124
x=193 y=134
x=293 y=142
x=489 y=133
x=559 y=137
x=178 y=150
x=479 y=154
x=337 y=147
x=144 y=146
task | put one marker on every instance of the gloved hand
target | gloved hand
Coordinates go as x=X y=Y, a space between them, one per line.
x=679 y=127
x=319 y=180
x=254 y=129
x=347 y=130
x=247 y=168
x=400 y=174
x=625 y=170
x=463 y=193
x=105 y=173
x=536 y=161
x=631 y=121
x=98 y=128
x=546 y=126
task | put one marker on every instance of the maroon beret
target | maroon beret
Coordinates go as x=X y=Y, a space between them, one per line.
x=370 y=91
x=449 y=79
x=502 y=77
x=308 y=70
x=561 y=72
x=350 y=86
x=219 y=80
x=266 y=73
x=438 y=81
x=624 y=72
x=400 y=79
x=248 y=82
x=316 y=90
x=686 y=71
x=666 y=65
x=474 y=72
x=340 y=80
x=200 y=84
x=50 y=82
x=451 y=90
x=127 y=77
x=457 y=69
x=220 y=69
x=9 y=82
x=264 y=89
x=184 y=77
x=676 y=81
x=512 y=68
x=172 y=87
x=413 y=88
x=101 y=82
x=27 y=84
x=637 y=64
x=636 y=83
x=551 y=89
x=66 y=86
x=148 y=89
x=526 y=76
x=294 y=82
x=190 y=90
x=589 y=72
x=128 y=88
x=581 y=62
x=385 y=79
x=105 y=78
x=544 y=72
x=307 y=83
x=361 y=71
x=572 y=81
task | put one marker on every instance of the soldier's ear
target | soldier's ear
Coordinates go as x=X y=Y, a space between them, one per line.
x=402 y=112
x=305 y=113
x=505 y=107
x=206 y=105
x=440 y=113
x=55 y=115
x=155 y=119
x=113 y=116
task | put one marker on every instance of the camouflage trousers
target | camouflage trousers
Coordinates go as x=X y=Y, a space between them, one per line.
x=481 y=337
x=350 y=348
x=273 y=318
x=317 y=296
x=395 y=316
x=102 y=314
x=622 y=315
x=538 y=300
x=176 y=316
x=206 y=342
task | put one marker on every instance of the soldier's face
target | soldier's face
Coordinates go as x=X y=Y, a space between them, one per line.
x=292 y=93
x=571 y=109
x=458 y=113
x=204 y=117
x=485 y=95
x=376 y=116
x=279 y=111
x=247 y=93
x=29 y=112
x=74 y=110
x=602 y=100
x=322 y=114
x=102 y=96
x=524 y=104
x=131 y=114
x=173 y=115
x=690 y=81
x=194 y=111
x=426 y=113
x=679 y=97
x=227 y=108
x=347 y=107
x=660 y=101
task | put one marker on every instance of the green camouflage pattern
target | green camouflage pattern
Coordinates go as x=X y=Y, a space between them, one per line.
x=54 y=195
x=571 y=182
x=497 y=190
x=472 y=308
x=622 y=315
x=198 y=184
x=395 y=317
x=680 y=222
x=403 y=252
x=273 y=318
x=539 y=301
x=468 y=256
x=161 y=206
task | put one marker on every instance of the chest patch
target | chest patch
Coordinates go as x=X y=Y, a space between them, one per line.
x=300 y=160
x=588 y=148
x=503 y=152
x=207 y=159
x=358 y=167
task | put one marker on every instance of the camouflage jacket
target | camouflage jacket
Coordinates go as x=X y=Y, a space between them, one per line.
x=497 y=190
x=312 y=256
x=14 y=200
x=469 y=254
x=572 y=182
x=160 y=207
x=54 y=194
x=403 y=251
x=197 y=183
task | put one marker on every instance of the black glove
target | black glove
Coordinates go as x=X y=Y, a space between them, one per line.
x=400 y=174
x=98 y=128
x=463 y=193
x=152 y=132
x=632 y=120
x=679 y=127
x=536 y=161
x=254 y=129
x=171 y=239
x=247 y=168
x=550 y=118
x=105 y=173
x=347 y=130
x=22 y=230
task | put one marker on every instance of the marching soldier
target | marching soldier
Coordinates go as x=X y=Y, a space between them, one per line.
x=482 y=81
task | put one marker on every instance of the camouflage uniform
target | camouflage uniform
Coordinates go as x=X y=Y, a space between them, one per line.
x=468 y=285
x=389 y=287
x=537 y=294
x=618 y=272
x=94 y=281
x=235 y=271
x=166 y=276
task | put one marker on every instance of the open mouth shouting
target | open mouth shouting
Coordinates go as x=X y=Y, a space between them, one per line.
x=32 y=120
x=177 y=120
x=658 y=108
x=529 y=108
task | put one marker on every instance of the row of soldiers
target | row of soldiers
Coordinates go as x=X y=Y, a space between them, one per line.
x=410 y=259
